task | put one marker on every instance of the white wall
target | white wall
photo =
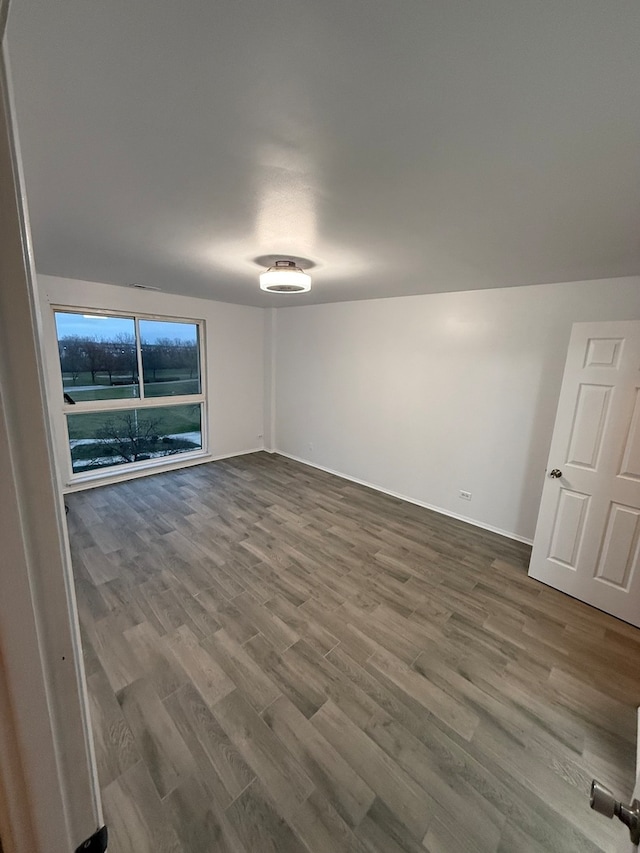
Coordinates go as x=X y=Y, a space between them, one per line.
x=269 y=378
x=234 y=349
x=425 y=395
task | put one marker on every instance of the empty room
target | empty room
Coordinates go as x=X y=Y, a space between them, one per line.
x=320 y=416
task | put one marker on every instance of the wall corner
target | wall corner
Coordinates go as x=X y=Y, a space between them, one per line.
x=269 y=429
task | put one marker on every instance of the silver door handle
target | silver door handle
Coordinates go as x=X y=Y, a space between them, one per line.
x=555 y=473
x=602 y=800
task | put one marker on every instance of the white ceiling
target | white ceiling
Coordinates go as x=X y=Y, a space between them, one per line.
x=402 y=146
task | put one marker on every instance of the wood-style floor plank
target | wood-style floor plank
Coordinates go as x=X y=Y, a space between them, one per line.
x=141 y=823
x=259 y=825
x=162 y=748
x=221 y=765
x=412 y=805
x=325 y=766
x=285 y=780
x=281 y=660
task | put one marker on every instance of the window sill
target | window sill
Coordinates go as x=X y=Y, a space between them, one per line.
x=121 y=473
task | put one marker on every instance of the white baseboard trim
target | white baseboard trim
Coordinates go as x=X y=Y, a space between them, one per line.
x=237 y=453
x=507 y=534
x=126 y=475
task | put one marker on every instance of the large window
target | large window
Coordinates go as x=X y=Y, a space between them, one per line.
x=132 y=388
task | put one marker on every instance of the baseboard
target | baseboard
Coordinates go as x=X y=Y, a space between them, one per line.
x=507 y=534
x=237 y=453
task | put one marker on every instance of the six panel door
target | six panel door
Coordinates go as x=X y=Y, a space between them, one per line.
x=587 y=540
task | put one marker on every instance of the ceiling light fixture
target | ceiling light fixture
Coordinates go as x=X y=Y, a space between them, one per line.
x=285 y=277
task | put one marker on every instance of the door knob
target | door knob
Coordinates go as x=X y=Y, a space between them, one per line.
x=602 y=800
x=555 y=473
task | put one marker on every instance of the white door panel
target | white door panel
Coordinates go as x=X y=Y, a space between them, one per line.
x=587 y=540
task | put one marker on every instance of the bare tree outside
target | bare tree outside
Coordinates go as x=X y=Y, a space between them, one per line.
x=94 y=355
x=72 y=356
x=128 y=362
x=131 y=437
x=169 y=354
x=117 y=358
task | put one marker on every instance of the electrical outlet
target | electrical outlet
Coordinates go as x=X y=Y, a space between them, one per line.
x=261 y=436
x=466 y=496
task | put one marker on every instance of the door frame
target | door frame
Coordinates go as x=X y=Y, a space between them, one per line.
x=49 y=792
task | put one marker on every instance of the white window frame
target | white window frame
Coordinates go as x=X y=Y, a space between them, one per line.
x=128 y=404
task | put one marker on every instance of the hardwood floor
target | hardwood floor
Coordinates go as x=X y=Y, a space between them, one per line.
x=281 y=660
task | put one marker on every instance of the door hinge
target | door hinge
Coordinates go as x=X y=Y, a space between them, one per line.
x=96 y=844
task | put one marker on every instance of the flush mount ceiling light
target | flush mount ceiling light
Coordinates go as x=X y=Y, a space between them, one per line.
x=285 y=277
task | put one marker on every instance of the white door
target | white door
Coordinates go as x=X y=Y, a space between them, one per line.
x=587 y=541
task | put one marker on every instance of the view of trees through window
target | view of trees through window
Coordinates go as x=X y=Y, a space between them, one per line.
x=106 y=358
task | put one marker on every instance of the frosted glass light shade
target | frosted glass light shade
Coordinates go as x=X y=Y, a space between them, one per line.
x=285 y=280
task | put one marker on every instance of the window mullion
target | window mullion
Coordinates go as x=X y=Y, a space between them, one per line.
x=152 y=402
x=139 y=358
x=83 y=407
